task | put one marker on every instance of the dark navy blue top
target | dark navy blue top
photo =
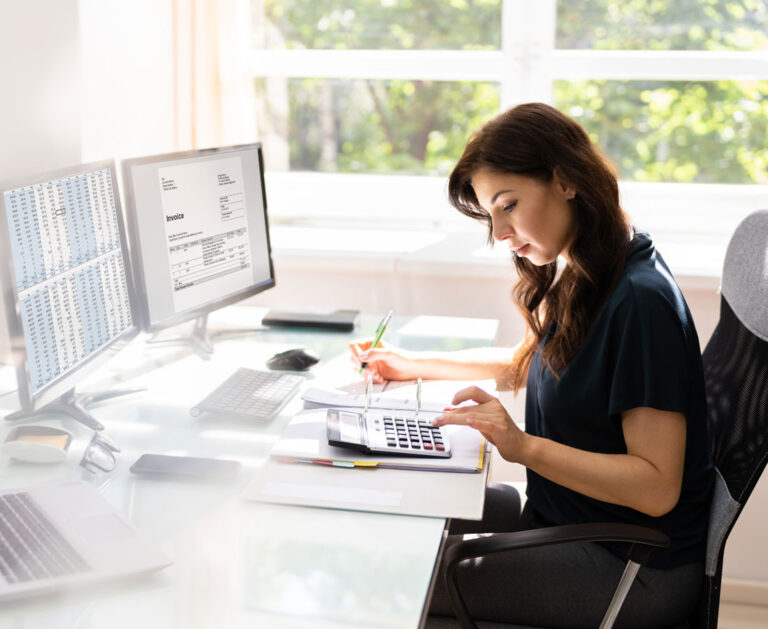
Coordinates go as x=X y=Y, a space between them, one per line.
x=642 y=350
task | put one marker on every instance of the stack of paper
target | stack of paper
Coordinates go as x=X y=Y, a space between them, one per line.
x=325 y=398
x=305 y=441
x=368 y=487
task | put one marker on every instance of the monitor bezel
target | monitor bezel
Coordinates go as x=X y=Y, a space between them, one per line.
x=137 y=251
x=66 y=381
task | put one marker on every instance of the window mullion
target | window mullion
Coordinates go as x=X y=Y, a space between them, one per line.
x=672 y=65
x=438 y=65
x=527 y=42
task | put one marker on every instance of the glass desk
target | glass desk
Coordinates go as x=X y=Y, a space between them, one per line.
x=237 y=563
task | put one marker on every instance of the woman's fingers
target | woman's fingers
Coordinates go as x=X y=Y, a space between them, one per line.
x=374 y=359
x=453 y=417
x=491 y=429
x=376 y=377
x=359 y=348
x=360 y=354
x=469 y=414
x=476 y=394
x=489 y=418
x=354 y=353
x=461 y=416
x=360 y=345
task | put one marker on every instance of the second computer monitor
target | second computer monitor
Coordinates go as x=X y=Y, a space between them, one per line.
x=66 y=284
x=198 y=231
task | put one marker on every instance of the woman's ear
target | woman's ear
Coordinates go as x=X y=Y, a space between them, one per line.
x=563 y=186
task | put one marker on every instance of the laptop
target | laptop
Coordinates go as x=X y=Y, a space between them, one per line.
x=55 y=536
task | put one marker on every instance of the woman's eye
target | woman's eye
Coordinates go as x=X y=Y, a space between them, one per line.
x=510 y=207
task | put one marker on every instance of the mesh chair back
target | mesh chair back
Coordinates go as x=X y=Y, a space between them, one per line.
x=736 y=360
x=736 y=375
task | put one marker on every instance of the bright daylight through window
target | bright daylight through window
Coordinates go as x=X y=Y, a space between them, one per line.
x=672 y=91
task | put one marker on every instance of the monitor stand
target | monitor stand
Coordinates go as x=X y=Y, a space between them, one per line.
x=74 y=405
x=200 y=339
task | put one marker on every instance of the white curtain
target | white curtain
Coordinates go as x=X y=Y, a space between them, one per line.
x=214 y=100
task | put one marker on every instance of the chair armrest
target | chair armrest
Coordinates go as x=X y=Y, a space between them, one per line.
x=643 y=541
x=592 y=532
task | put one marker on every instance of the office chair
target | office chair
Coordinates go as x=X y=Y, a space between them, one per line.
x=736 y=376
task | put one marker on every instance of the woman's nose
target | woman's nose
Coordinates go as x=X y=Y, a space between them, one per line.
x=501 y=230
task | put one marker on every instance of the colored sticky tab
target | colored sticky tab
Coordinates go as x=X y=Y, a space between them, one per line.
x=343 y=463
x=366 y=463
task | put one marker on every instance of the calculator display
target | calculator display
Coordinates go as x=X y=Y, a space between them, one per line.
x=350 y=427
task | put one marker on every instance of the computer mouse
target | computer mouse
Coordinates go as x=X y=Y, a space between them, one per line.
x=299 y=359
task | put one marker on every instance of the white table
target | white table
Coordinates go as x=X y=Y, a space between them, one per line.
x=237 y=563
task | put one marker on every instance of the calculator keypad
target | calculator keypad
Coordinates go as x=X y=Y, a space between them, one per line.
x=409 y=434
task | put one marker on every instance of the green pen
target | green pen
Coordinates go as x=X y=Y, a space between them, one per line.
x=379 y=333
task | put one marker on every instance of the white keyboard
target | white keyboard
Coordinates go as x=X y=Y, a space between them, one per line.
x=250 y=394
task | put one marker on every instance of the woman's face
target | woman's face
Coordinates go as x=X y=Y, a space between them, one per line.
x=534 y=218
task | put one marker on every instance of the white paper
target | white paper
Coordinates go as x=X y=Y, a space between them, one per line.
x=326 y=398
x=305 y=438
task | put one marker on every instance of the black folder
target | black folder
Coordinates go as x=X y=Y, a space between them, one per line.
x=341 y=320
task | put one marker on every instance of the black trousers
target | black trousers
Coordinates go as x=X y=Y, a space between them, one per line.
x=568 y=585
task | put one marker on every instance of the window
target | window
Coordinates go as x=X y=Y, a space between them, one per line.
x=373 y=86
x=674 y=91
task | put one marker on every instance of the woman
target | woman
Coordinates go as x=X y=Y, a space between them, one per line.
x=615 y=409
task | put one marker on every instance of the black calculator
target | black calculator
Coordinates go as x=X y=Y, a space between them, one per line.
x=383 y=432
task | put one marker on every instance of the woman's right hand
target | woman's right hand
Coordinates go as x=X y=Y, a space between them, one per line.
x=384 y=362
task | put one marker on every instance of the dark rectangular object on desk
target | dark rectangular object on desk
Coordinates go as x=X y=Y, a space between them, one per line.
x=342 y=320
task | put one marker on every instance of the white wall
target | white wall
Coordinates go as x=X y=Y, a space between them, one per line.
x=41 y=94
x=84 y=80
x=128 y=78
x=40 y=75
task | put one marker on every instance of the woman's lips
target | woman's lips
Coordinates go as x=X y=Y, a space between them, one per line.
x=521 y=251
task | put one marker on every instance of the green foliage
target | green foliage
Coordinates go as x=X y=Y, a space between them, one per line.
x=662 y=24
x=653 y=131
x=406 y=126
x=708 y=132
x=382 y=24
x=677 y=131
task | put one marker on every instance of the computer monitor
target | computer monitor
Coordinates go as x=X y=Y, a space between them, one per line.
x=198 y=233
x=67 y=289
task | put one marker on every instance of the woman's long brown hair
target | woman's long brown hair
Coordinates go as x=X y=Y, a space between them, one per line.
x=533 y=140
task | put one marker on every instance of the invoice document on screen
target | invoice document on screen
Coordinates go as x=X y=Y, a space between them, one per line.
x=206 y=230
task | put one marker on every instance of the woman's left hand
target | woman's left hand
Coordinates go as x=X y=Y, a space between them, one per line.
x=489 y=417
